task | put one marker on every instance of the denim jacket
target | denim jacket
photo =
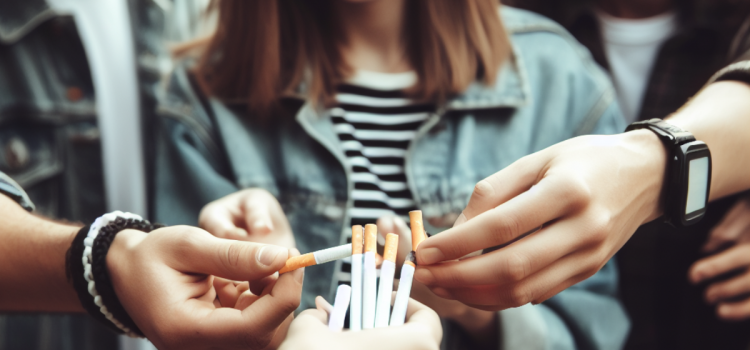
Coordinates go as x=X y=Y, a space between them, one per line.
x=50 y=141
x=549 y=91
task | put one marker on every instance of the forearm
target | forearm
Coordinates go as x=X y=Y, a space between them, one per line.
x=32 y=262
x=720 y=116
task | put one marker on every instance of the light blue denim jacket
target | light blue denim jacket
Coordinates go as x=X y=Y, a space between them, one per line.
x=549 y=91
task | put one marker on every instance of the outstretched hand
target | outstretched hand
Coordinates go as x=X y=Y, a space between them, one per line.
x=178 y=285
x=422 y=331
x=589 y=194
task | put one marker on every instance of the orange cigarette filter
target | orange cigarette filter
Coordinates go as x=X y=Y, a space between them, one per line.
x=417 y=229
x=391 y=247
x=357 y=243
x=298 y=262
x=371 y=238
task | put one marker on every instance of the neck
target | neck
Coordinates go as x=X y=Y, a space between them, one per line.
x=635 y=9
x=373 y=35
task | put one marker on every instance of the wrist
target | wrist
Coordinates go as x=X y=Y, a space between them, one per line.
x=653 y=167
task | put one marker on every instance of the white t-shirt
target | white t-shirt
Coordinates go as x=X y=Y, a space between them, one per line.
x=631 y=46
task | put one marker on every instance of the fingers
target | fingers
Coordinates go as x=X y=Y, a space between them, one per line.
x=228 y=291
x=730 y=259
x=323 y=305
x=313 y=317
x=258 y=286
x=550 y=199
x=735 y=224
x=394 y=224
x=222 y=220
x=503 y=185
x=254 y=326
x=734 y=311
x=727 y=289
x=270 y=310
x=511 y=264
x=196 y=251
x=258 y=218
x=534 y=288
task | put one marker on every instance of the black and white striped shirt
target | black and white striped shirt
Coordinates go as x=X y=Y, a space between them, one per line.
x=375 y=122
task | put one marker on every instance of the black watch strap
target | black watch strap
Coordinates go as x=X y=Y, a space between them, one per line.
x=669 y=134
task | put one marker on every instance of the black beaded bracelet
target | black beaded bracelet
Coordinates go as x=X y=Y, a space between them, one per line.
x=87 y=269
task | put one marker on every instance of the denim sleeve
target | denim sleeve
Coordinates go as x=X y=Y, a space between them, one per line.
x=585 y=316
x=187 y=174
x=11 y=189
x=610 y=122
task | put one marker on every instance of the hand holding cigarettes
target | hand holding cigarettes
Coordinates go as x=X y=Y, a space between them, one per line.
x=471 y=319
x=194 y=303
x=309 y=330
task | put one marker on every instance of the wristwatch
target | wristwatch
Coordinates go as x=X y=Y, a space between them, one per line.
x=688 y=175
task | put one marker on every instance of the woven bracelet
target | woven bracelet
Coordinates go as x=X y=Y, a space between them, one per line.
x=87 y=269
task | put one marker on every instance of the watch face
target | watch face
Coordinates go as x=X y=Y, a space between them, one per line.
x=698 y=180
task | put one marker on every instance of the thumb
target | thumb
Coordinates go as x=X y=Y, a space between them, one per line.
x=199 y=252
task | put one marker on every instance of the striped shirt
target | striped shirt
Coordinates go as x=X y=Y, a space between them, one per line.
x=375 y=122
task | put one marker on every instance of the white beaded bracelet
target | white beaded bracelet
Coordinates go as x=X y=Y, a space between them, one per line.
x=88 y=243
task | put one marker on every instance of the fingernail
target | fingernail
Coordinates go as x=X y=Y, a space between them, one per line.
x=262 y=226
x=240 y=232
x=300 y=275
x=268 y=253
x=430 y=256
x=424 y=276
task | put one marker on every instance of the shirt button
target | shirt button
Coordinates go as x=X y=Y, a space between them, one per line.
x=16 y=154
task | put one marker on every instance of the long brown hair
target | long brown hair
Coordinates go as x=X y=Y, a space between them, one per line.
x=263 y=49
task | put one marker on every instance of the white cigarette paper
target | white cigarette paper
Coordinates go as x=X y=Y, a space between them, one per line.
x=369 y=291
x=341 y=304
x=331 y=254
x=398 y=316
x=355 y=310
x=383 y=309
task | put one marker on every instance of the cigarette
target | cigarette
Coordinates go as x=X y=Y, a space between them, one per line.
x=341 y=303
x=355 y=310
x=387 y=270
x=370 y=278
x=417 y=229
x=398 y=316
x=317 y=258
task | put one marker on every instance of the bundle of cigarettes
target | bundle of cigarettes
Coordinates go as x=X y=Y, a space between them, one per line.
x=368 y=307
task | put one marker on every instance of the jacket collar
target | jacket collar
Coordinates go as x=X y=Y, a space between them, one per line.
x=17 y=18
